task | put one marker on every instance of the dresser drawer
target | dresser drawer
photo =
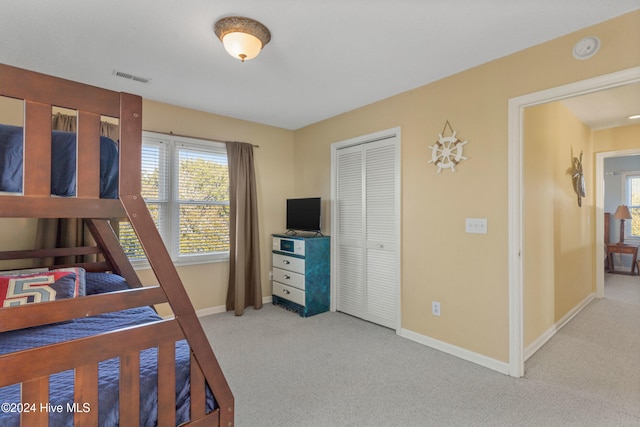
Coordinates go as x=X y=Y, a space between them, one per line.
x=289 y=278
x=289 y=293
x=288 y=263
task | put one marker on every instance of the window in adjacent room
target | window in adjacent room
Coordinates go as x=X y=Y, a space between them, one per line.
x=632 y=192
x=185 y=184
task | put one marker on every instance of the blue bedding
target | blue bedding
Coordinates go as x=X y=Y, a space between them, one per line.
x=63 y=163
x=61 y=384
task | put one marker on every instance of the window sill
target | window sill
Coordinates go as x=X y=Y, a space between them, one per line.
x=144 y=265
x=632 y=241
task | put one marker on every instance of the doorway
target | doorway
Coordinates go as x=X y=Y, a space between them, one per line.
x=600 y=207
x=516 y=141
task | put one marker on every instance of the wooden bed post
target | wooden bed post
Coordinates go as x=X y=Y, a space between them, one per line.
x=130 y=144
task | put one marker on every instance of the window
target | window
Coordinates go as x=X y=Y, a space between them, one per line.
x=633 y=201
x=185 y=184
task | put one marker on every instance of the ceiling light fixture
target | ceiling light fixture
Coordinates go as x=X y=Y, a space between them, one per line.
x=636 y=116
x=243 y=38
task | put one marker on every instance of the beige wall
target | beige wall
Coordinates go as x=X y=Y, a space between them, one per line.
x=11 y=111
x=620 y=138
x=558 y=235
x=467 y=273
x=17 y=234
x=206 y=284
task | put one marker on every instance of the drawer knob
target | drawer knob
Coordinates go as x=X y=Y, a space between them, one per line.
x=286 y=292
x=287 y=277
x=285 y=261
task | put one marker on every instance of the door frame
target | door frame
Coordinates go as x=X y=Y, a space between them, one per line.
x=516 y=195
x=359 y=140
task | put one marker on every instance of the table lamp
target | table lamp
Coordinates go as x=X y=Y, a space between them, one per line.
x=622 y=213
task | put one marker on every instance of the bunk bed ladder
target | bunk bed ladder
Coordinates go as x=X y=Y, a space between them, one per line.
x=183 y=310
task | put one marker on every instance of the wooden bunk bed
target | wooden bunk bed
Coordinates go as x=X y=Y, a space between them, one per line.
x=33 y=371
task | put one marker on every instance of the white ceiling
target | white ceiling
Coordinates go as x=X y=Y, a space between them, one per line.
x=325 y=56
x=608 y=108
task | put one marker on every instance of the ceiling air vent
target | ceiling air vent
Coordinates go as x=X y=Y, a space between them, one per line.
x=129 y=76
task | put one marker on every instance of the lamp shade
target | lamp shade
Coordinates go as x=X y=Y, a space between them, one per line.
x=622 y=212
x=242 y=45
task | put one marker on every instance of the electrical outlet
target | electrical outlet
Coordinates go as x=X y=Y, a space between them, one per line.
x=435 y=308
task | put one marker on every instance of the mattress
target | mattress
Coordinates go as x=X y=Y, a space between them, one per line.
x=61 y=384
x=63 y=163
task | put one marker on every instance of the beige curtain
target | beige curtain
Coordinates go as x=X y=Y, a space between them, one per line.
x=63 y=122
x=68 y=232
x=110 y=130
x=63 y=233
x=245 y=288
x=67 y=123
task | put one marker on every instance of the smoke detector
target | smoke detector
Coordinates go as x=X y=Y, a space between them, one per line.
x=586 y=48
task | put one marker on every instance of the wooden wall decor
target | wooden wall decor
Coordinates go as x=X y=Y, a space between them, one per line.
x=578 y=179
x=446 y=153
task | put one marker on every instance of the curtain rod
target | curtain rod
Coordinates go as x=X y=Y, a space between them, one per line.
x=188 y=136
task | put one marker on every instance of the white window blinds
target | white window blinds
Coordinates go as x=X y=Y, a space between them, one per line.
x=185 y=184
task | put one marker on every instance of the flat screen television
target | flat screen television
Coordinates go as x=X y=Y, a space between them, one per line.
x=304 y=214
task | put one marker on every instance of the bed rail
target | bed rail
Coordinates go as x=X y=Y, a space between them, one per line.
x=26 y=316
x=32 y=369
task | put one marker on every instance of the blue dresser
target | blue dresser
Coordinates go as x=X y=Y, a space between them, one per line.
x=302 y=273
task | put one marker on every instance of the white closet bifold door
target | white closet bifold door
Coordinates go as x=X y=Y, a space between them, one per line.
x=381 y=233
x=350 y=268
x=368 y=237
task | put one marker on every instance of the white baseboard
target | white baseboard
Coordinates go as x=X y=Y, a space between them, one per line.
x=470 y=356
x=223 y=308
x=211 y=310
x=546 y=336
x=622 y=268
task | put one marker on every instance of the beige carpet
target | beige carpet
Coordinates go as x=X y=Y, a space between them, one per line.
x=597 y=354
x=336 y=370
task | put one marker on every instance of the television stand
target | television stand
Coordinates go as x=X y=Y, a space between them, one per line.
x=301 y=273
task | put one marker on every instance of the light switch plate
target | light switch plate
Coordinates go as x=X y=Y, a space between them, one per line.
x=476 y=225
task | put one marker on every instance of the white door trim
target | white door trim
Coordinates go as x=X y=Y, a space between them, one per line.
x=376 y=136
x=516 y=194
